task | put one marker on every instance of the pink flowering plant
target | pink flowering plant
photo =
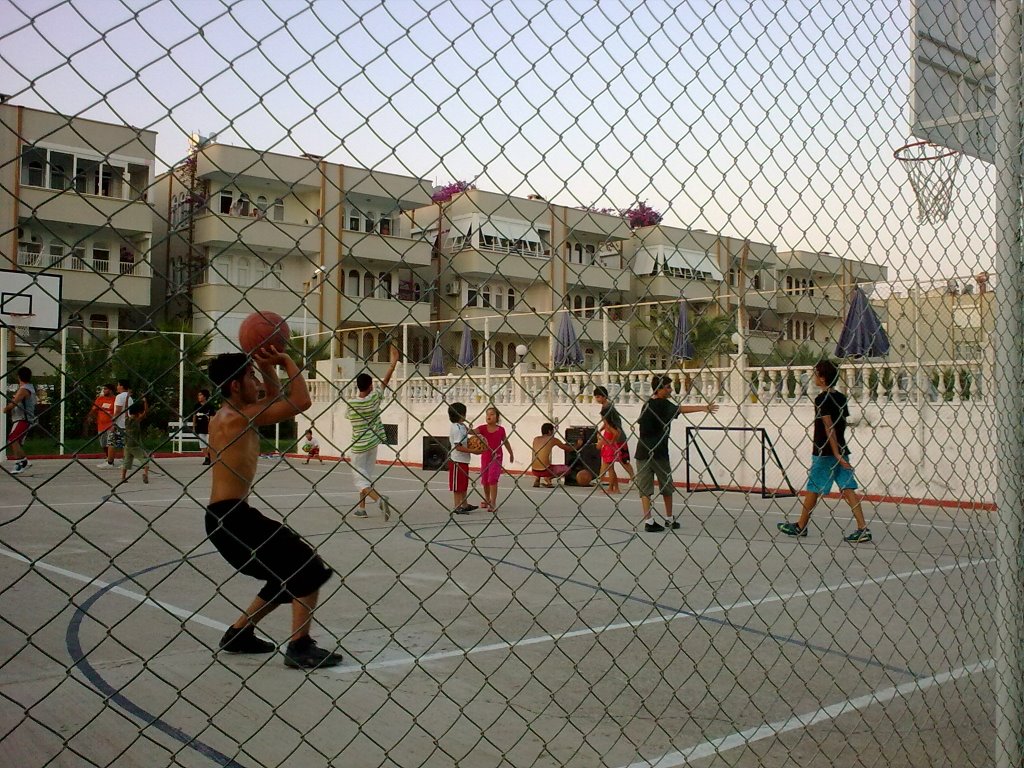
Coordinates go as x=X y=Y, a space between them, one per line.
x=446 y=192
x=640 y=215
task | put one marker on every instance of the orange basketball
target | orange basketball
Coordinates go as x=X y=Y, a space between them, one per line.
x=263 y=329
x=475 y=444
x=584 y=477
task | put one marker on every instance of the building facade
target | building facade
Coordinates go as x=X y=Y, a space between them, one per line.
x=75 y=201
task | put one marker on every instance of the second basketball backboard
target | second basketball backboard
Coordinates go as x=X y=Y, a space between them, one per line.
x=953 y=79
x=30 y=299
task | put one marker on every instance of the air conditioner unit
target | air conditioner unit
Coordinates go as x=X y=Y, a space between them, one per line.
x=452 y=289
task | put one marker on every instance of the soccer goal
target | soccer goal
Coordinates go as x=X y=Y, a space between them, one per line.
x=700 y=473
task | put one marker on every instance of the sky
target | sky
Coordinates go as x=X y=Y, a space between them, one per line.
x=773 y=120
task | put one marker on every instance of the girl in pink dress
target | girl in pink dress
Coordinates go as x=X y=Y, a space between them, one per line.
x=491 y=460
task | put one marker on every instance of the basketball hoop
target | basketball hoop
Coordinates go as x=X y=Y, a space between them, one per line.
x=21 y=325
x=932 y=171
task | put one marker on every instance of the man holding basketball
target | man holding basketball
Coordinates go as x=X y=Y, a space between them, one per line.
x=655 y=429
x=256 y=545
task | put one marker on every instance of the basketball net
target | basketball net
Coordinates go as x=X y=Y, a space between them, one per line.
x=932 y=171
x=21 y=325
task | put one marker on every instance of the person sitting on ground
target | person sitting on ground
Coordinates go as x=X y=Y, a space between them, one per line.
x=542 y=467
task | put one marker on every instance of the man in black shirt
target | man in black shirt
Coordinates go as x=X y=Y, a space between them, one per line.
x=201 y=422
x=830 y=459
x=655 y=430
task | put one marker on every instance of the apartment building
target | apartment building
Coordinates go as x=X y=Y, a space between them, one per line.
x=952 y=320
x=506 y=264
x=74 y=201
x=324 y=245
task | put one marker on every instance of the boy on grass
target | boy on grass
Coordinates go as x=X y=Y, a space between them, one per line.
x=830 y=460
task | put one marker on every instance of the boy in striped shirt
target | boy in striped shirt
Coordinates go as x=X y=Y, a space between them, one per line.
x=367 y=434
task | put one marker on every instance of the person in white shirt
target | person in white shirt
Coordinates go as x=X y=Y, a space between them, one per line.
x=122 y=402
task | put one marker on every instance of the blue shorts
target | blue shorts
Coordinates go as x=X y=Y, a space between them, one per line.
x=825 y=470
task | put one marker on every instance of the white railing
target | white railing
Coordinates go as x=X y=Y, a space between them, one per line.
x=899 y=382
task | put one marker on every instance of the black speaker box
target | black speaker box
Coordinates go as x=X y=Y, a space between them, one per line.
x=435 y=452
x=588 y=457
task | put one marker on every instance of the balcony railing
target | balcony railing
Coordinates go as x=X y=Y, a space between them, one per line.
x=78 y=263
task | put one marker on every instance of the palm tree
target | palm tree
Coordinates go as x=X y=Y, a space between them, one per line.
x=711 y=335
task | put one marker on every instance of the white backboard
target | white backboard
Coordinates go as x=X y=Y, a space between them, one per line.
x=953 y=81
x=30 y=293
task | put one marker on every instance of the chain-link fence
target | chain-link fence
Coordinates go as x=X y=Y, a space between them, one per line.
x=580 y=222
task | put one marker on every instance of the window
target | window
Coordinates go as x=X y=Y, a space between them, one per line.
x=87 y=176
x=78 y=257
x=226 y=198
x=367 y=346
x=56 y=254
x=278 y=213
x=353 y=221
x=352 y=283
x=243 y=207
x=33 y=167
x=511 y=354
x=577 y=302
x=476 y=351
x=368 y=287
x=472 y=300
x=384 y=286
x=590 y=306
x=101 y=257
x=789 y=284
x=498 y=300
x=127 y=260
x=756 y=281
x=732 y=277
x=261 y=205
x=29 y=251
x=244 y=278
x=499 y=355
x=138 y=180
x=385 y=225
x=487 y=296
x=368 y=223
x=62 y=167
x=352 y=344
x=591 y=252
x=511 y=299
x=112 y=181
x=99 y=322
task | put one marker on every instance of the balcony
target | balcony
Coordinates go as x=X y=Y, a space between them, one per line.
x=241 y=164
x=519 y=322
x=257 y=233
x=383 y=313
x=219 y=297
x=669 y=287
x=126 y=216
x=127 y=285
x=817 y=305
x=386 y=249
x=596 y=276
x=510 y=265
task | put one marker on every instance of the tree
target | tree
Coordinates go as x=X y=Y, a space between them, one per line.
x=711 y=335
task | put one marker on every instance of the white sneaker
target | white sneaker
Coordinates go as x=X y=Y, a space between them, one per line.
x=19 y=467
x=104 y=465
x=385 y=507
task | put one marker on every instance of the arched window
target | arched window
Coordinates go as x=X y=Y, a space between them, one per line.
x=384 y=285
x=352 y=344
x=577 y=302
x=417 y=291
x=499 y=355
x=367 y=350
x=352 y=283
x=591 y=253
x=511 y=299
x=486 y=295
x=382 y=348
x=279 y=210
x=590 y=306
x=511 y=358
x=499 y=299
x=789 y=283
x=476 y=351
x=368 y=288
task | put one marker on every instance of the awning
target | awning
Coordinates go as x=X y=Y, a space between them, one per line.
x=510 y=230
x=694 y=261
x=643 y=263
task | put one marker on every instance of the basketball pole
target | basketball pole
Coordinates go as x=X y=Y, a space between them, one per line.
x=63 y=382
x=1009 y=374
x=3 y=386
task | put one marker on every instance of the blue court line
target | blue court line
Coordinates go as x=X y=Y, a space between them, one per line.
x=74 y=646
x=668 y=609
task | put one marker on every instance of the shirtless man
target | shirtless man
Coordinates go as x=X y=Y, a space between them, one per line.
x=256 y=545
x=542 y=466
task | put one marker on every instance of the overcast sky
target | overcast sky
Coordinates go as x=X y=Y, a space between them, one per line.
x=770 y=120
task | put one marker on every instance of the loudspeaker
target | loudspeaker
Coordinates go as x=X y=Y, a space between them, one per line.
x=587 y=457
x=435 y=452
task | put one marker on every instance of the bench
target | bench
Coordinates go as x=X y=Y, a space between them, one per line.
x=181 y=432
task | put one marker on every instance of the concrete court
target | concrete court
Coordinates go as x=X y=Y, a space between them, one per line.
x=554 y=634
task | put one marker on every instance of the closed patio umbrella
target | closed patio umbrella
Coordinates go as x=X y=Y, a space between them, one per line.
x=682 y=347
x=567 y=345
x=862 y=334
x=437 y=357
x=466 y=348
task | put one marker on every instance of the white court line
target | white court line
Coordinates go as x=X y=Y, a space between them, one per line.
x=187 y=615
x=807 y=719
x=713 y=610
x=138 y=597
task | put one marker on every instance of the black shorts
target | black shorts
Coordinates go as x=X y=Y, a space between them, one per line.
x=265 y=549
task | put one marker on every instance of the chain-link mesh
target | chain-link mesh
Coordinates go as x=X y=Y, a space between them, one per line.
x=543 y=207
